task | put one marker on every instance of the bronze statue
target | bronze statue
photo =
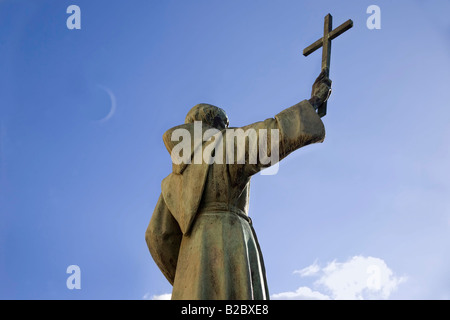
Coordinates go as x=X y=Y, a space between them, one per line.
x=200 y=235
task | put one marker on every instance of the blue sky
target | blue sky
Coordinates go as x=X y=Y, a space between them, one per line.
x=76 y=189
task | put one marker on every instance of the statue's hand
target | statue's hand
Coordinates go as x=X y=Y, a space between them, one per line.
x=321 y=89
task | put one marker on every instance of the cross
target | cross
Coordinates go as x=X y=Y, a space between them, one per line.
x=325 y=42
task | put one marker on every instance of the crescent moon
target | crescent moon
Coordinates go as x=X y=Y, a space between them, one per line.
x=112 y=110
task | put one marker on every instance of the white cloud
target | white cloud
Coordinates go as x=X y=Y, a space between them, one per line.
x=164 y=296
x=302 y=293
x=308 y=271
x=358 y=278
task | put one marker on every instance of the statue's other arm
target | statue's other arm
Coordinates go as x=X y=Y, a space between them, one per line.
x=163 y=237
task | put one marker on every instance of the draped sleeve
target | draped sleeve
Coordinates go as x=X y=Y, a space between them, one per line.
x=288 y=131
x=163 y=237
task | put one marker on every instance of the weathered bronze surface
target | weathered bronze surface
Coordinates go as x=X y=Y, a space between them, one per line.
x=200 y=235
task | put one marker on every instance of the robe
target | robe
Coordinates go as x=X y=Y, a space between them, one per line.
x=200 y=235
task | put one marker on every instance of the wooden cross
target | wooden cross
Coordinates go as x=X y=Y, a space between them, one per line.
x=325 y=42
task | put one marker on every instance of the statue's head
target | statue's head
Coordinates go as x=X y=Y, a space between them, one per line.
x=208 y=114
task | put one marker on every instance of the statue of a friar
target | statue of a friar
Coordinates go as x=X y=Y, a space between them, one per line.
x=200 y=234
